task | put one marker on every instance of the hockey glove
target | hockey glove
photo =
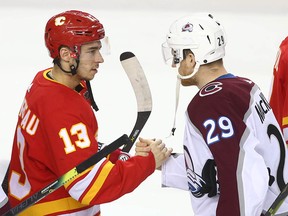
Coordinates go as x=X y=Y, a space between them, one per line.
x=209 y=176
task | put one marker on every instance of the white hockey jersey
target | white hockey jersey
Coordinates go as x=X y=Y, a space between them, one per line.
x=235 y=156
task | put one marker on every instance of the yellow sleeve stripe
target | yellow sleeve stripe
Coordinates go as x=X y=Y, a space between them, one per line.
x=60 y=205
x=285 y=121
x=96 y=186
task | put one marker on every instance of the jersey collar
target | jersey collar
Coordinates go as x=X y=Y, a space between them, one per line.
x=229 y=75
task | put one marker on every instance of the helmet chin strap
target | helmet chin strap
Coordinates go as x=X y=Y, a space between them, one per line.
x=196 y=68
x=178 y=82
x=73 y=68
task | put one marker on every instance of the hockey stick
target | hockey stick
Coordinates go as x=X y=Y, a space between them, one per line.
x=142 y=92
x=278 y=202
x=75 y=171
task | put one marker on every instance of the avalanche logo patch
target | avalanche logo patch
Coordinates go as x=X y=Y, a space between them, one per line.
x=211 y=88
x=187 y=27
x=195 y=181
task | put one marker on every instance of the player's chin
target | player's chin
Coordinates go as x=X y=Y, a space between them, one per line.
x=94 y=71
x=187 y=82
x=92 y=74
x=88 y=77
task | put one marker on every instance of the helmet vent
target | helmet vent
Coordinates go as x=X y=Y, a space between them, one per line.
x=208 y=39
x=85 y=33
x=201 y=27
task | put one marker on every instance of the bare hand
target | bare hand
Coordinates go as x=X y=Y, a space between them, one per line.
x=159 y=150
x=142 y=147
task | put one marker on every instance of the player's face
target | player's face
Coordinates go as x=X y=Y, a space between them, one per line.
x=90 y=58
x=186 y=67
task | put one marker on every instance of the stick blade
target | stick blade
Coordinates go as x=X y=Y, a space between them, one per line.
x=138 y=81
x=142 y=92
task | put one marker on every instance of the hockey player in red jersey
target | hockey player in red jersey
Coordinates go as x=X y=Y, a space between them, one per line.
x=57 y=128
x=235 y=160
x=279 y=93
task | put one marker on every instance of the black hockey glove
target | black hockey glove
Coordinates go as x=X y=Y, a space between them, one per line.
x=209 y=176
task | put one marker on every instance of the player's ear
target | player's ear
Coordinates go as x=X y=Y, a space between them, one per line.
x=190 y=59
x=64 y=53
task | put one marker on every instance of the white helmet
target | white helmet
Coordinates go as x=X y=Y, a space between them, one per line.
x=200 y=33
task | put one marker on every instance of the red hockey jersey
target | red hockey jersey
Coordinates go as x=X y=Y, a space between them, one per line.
x=279 y=90
x=57 y=130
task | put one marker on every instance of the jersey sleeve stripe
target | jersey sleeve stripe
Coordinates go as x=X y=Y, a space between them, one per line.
x=285 y=121
x=60 y=205
x=96 y=186
x=81 y=185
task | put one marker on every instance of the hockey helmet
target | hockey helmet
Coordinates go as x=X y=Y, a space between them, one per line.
x=200 y=33
x=72 y=29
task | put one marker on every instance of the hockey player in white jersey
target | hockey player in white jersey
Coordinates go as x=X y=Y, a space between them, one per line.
x=235 y=159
